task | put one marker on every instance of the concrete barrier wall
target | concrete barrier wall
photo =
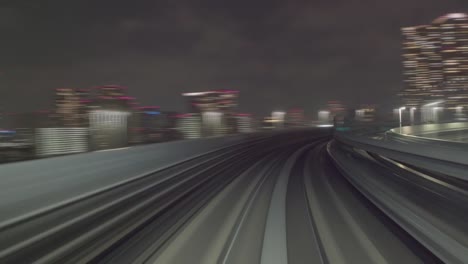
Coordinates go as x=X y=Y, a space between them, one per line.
x=421 y=130
x=52 y=180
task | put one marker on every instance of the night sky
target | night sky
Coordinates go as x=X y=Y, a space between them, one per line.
x=279 y=54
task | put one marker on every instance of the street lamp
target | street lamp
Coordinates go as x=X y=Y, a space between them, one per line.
x=435 y=113
x=412 y=115
x=429 y=111
x=399 y=113
x=459 y=113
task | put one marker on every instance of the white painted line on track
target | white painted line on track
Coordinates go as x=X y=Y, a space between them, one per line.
x=274 y=249
x=107 y=150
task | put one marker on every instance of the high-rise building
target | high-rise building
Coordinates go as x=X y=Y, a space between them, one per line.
x=278 y=119
x=215 y=124
x=435 y=62
x=64 y=130
x=71 y=107
x=84 y=97
x=417 y=70
x=146 y=123
x=453 y=30
x=323 y=117
x=67 y=107
x=336 y=108
x=108 y=117
x=217 y=110
x=366 y=113
x=189 y=125
x=108 y=129
x=224 y=101
x=113 y=97
x=295 y=118
x=245 y=123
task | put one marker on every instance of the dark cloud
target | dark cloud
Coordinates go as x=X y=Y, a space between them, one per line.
x=279 y=54
x=10 y=19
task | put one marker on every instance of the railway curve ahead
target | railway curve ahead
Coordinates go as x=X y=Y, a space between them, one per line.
x=281 y=198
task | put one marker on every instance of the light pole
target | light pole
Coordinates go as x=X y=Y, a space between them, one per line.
x=279 y=117
x=399 y=113
x=412 y=115
x=428 y=113
x=459 y=113
x=436 y=113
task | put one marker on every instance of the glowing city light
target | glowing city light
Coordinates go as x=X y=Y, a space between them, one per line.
x=434 y=103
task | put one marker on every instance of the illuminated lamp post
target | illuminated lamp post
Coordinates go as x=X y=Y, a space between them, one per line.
x=412 y=115
x=399 y=113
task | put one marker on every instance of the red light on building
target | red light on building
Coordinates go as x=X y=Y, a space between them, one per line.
x=126 y=98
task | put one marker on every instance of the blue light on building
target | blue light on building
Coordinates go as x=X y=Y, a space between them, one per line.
x=152 y=112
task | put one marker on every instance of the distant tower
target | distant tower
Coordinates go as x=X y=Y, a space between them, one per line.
x=453 y=34
x=112 y=97
x=435 y=62
x=108 y=117
x=422 y=64
x=67 y=107
x=216 y=110
x=84 y=97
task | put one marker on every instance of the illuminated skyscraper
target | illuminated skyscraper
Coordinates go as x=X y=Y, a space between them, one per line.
x=412 y=55
x=453 y=29
x=422 y=64
x=67 y=107
x=108 y=129
x=108 y=117
x=71 y=107
x=113 y=97
x=65 y=130
x=435 y=62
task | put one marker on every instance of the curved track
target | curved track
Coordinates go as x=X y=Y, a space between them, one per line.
x=272 y=199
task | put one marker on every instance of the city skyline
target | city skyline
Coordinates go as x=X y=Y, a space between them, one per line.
x=264 y=50
x=89 y=97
